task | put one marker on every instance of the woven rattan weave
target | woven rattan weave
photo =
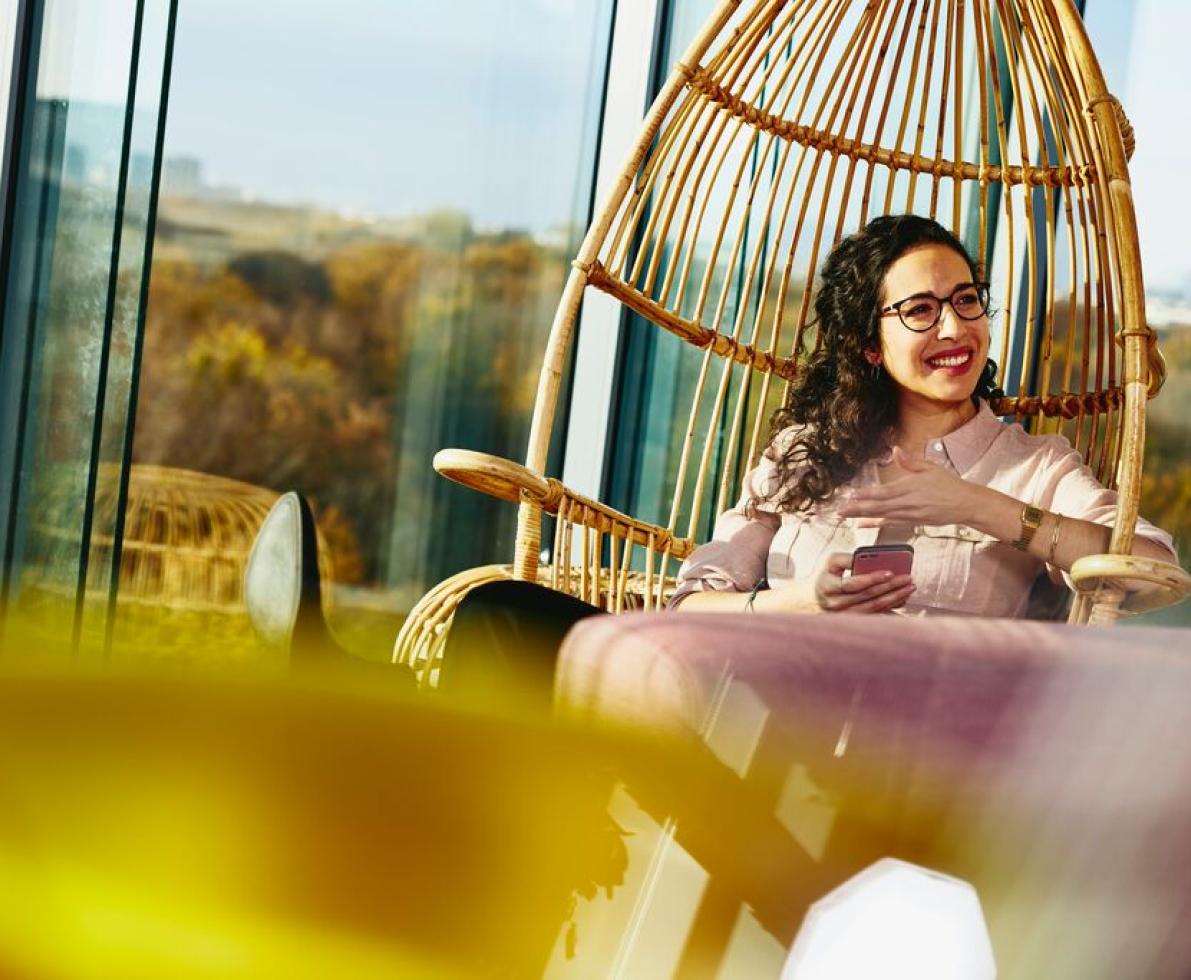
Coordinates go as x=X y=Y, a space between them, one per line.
x=786 y=125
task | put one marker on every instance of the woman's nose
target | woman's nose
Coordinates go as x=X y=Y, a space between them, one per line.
x=948 y=325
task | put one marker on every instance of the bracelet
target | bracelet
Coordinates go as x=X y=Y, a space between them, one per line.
x=1054 y=539
x=760 y=584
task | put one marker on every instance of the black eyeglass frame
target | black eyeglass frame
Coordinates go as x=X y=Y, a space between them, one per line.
x=982 y=291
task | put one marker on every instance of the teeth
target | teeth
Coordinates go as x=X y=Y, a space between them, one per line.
x=953 y=361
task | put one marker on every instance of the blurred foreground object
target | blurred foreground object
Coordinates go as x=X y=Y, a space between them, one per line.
x=154 y=827
x=895 y=921
x=706 y=783
x=1045 y=764
x=782 y=128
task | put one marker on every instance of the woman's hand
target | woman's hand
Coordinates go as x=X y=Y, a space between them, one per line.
x=872 y=592
x=927 y=494
x=829 y=591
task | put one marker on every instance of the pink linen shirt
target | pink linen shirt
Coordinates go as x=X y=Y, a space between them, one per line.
x=957 y=569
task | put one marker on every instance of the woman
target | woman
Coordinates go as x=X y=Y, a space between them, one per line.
x=890 y=439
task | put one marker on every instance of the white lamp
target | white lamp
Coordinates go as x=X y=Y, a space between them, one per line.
x=894 y=920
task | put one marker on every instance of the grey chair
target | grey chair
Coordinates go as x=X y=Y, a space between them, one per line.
x=283 y=593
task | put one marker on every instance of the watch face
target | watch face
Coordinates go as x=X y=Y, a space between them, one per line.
x=1031 y=516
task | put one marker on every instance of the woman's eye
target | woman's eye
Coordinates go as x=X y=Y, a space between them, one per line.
x=919 y=310
x=967 y=299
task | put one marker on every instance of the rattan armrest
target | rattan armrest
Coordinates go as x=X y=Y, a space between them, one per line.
x=499 y=477
x=493 y=475
x=1148 y=583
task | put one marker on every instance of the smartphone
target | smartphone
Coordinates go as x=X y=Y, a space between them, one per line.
x=896 y=558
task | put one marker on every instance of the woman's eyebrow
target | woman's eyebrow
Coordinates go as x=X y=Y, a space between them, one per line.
x=924 y=293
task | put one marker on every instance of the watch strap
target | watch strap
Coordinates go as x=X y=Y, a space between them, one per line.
x=1031 y=520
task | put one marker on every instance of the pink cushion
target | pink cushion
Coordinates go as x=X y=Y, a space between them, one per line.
x=661 y=670
x=1050 y=765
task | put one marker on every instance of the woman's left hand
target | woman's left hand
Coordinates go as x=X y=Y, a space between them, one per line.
x=927 y=494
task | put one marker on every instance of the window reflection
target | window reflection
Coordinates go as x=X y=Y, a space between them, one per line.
x=366 y=218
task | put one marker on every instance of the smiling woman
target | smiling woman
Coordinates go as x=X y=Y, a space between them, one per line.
x=889 y=440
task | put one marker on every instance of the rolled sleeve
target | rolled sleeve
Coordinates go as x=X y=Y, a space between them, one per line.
x=735 y=558
x=1072 y=490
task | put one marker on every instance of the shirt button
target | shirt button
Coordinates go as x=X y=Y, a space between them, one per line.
x=938 y=447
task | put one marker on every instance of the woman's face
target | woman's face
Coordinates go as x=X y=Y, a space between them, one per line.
x=941 y=365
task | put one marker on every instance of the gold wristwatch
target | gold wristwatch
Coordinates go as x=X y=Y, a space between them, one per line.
x=1031 y=520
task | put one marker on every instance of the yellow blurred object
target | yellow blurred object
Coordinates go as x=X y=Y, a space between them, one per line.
x=688 y=805
x=155 y=827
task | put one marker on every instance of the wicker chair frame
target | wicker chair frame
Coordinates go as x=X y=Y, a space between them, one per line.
x=784 y=126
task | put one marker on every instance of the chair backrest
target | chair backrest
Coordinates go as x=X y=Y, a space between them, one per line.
x=790 y=123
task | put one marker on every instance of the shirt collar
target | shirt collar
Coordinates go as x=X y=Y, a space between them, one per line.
x=967 y=445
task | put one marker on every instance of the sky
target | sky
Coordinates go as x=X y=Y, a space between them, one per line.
x=396 y=107
x=393 y=108
x=1146 y=65
x=488 y=106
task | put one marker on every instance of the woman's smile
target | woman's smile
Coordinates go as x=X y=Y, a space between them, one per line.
x=954 y=361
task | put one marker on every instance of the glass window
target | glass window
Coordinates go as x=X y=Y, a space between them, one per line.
x=661 y=370
x=72 y=299
x=367 y=214
x=1145 y=65
x=8 y=37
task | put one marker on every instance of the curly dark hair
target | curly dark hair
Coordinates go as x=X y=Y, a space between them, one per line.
x=846 y=407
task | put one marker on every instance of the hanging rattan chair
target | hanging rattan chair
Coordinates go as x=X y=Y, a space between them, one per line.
x=786 y=125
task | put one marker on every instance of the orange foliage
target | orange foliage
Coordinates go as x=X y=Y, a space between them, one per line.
x=317 y=375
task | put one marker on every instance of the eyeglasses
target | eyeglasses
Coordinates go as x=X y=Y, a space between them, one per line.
x=921 y=311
